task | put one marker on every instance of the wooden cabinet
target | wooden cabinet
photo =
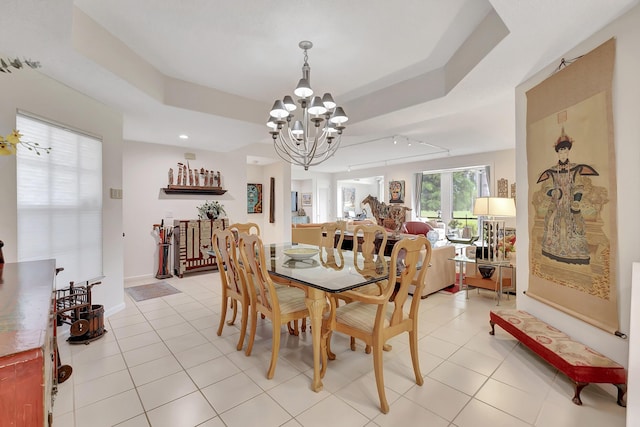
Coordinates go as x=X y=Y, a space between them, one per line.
x=191 y=241
x=27 y=343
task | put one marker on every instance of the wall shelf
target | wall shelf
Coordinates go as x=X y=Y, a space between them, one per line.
x=192 y=189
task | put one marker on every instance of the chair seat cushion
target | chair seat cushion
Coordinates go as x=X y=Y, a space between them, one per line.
x=291 y=299
x=361 y=316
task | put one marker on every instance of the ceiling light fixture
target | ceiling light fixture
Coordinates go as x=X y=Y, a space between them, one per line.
x=183 y=136
x=316 y=136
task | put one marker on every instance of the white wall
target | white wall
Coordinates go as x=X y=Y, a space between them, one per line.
x=280 y=230
x=255 y=175
x=145 y=170
x=626 y=105
x=31 y=91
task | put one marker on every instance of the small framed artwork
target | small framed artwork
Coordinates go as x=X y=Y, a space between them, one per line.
x=348 y=199
x=396 y=191
x=254 y=198
x=503 y=187
x=306 y=199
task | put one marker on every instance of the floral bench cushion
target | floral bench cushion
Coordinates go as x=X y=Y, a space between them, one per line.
x=579 y=362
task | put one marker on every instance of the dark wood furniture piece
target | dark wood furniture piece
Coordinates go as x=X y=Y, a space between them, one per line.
x=347 y=243
x=580 y=363
x=192 y=189
x=191 y=243
x=27 y=343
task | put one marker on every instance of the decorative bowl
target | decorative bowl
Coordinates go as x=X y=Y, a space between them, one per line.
x=301 y=253
x=486 y=271
x=300 y=263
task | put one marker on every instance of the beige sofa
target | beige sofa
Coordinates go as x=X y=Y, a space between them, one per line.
x=306 y=233
x=442 y=272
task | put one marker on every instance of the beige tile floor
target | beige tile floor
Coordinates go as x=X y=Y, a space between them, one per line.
x=162 y=364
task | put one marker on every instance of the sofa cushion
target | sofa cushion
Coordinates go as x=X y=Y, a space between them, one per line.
x=417 y=227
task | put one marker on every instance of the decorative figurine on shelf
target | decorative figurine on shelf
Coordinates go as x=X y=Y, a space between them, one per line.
x=210 y=210
x=180 y=165
x=196 y=178
x=170 y=176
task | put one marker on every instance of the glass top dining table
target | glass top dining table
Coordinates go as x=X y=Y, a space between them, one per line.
x=331 y=270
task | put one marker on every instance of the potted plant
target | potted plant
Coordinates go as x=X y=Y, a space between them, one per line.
x=211 y=209
x=453 y=226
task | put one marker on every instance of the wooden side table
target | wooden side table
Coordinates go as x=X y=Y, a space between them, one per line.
x=498 y=286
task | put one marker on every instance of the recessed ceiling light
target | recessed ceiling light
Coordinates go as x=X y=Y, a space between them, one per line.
x=183 y=136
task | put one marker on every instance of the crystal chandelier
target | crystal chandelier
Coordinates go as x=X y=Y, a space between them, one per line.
x=315 y=136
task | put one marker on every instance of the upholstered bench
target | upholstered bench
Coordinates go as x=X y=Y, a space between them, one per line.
x=577 y=361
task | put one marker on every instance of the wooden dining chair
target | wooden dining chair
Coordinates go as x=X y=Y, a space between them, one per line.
x=247 y=227
x=328 y=244
x=368 y=260
x=368 y=254
x=330 y=256
x=375 y=319
x=280 y=304
x=233 y=281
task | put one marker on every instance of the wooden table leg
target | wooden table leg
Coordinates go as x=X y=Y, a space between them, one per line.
x=316 y=303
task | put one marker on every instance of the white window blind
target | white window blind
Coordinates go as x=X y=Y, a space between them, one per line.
x=60 y=200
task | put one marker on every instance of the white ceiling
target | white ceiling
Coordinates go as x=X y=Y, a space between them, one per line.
x=437 y=74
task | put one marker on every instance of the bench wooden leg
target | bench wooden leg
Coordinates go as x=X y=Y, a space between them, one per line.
x=622 y=390
x=493 y=327
x=579 y=386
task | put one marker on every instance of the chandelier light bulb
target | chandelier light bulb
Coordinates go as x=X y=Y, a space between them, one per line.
x=339 y=116
x=271 y=122
x=278 y=110
x=328 y=101
x=317 y=107
x=297 y=129
x=303 y=90
x=289 y=105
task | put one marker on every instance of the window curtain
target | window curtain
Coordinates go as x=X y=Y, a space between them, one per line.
x=417 y=195
x=60 y=199
x=487 y=174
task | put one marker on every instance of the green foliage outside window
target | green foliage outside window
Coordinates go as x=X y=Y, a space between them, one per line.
x=430 y=204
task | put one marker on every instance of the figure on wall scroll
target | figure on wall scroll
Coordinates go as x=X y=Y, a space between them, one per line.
x=564 y=238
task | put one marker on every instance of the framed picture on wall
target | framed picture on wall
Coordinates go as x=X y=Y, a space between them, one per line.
x=348 y=198
x=254 y=198
x=306 y=199
x=396 y=191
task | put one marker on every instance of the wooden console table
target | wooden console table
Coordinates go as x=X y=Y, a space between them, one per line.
x=27 y=347
x=191 y=241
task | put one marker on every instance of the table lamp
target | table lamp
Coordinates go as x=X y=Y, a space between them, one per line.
x=493 y=230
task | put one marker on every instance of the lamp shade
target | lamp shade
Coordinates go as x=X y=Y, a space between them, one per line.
x=494 y=206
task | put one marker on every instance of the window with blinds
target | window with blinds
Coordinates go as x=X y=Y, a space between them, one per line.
x=60 y=199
